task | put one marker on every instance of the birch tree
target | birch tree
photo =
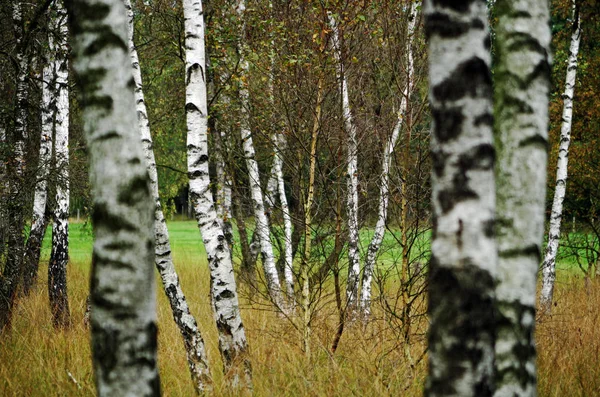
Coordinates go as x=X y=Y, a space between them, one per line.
x=384 y=189
x=123 y=316
x=549 y=265
x=59 y=256
x=39 y=218
x=232 y=338
x=262 y=222
x=522 y=85
x=188 y=327
x=463 y=262
x=351 y=173
x=15 y=204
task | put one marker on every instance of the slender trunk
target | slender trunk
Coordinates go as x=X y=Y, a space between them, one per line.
x=384 y=189
x=232 y=337
x=549 y=265
x=261 y=219
x=305 y=265
x=59 y=256
x=11 y=276
x=352 y=173
x=123 y=296
x=288 y=270
x=188 y=327
x=223 y=187
x=522 y=85
x=39 y=218
x=462 y=271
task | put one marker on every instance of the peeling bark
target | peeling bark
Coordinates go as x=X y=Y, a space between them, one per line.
x=232 y=337
x=123 y=315
x=463 y=263
x=549 y=265
x=186 y=322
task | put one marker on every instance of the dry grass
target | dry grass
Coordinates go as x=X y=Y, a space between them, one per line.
x=36 y=360
x=569 y=341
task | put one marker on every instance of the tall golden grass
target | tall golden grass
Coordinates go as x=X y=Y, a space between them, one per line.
x=37 y=360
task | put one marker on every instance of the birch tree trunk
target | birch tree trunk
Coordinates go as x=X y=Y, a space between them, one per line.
x=549 y=265
x=188 y=327
x=384 y=190
x=288 y=270
x=11 y=274
x=463 y=263
x=123 y=317
x=232 y=337
x=59 y=256
x=352 y=173
x=223 y=188
x=39 y=218
x=262 y=222
x=522 y=85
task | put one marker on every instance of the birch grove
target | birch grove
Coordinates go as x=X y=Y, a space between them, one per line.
x=232 y=337
x=123 y=315
x=522 y=86
x=351 y=173
x=59 y=256
x=384 y=188
x=462 y=271
x=549 y=265
x=188 y=327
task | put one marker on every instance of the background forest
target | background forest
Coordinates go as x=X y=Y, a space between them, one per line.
x=309 y=90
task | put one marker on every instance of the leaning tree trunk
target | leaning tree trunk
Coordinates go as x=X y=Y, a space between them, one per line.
x=262 y=222
x=232 y=338
x=123 y=296
x=39 y=218
x=12 y=273
x=59 y=256
x=463 y=262
x=384 y=189
x=352 y=173
x=549 y=265
x=522 y=85
x=188 y=327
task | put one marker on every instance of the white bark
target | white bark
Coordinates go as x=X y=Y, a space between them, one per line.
x=288 y=271
x=123 y=315
x=262 y=222
x=232 y=338
x=351 y=175
x=384 y=190
x=59 y=257
x=522 y=85
x=39 y=221
x=223 y=187
x=188 y=327
x=463 y=263
x=549 y=265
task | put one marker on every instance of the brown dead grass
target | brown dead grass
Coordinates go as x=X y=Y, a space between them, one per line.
x=35 y=360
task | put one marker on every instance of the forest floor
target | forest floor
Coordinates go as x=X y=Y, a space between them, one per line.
x=37 y=360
